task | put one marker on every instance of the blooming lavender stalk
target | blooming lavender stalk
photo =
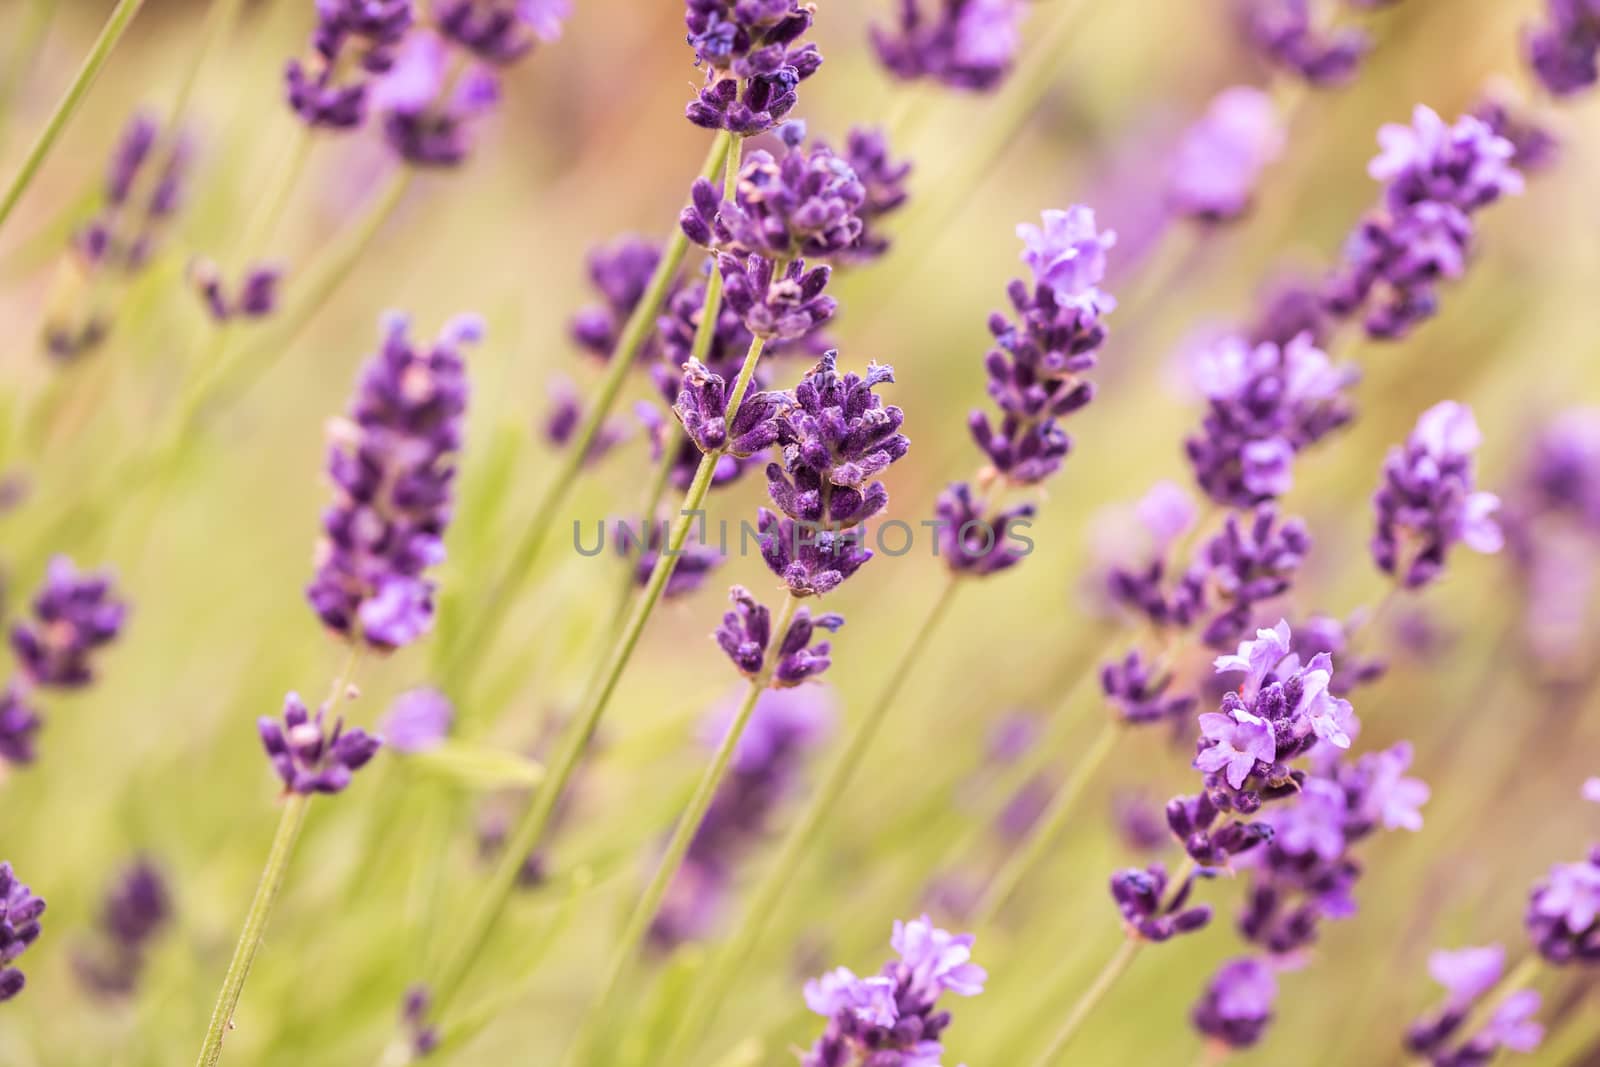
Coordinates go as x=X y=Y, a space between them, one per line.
x=137 y=908
x=964 y=44
x=19 y=928
x=890 y=1020
x=753 y=61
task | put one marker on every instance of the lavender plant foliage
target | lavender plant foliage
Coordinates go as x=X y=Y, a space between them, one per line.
x=353 y=41
x=806 y=203
x=891 y=1019
x=1564 y=49
x=75 y=614
x=964 y=44
x=137 y=908
x=746 y=634
x=307 y=755
x=1468 y=975
x=19 y=928
x=1265 y=404
x=1428 y=501
x=1220 y=158
x=753 y=59
x=785 y=726
x=1289 y=35
x=392 y=467
x=1237 y=1005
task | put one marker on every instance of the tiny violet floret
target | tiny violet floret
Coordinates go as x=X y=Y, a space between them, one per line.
x=309 y=757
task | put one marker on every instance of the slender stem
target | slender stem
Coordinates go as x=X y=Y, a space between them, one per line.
x=474 y=641
x=219 y=17
x=529 y=831
x=1045 y=829
x=255 y=925
x=711 y=989
x=644 y=912
x=1086 y=1003
x=110 y=34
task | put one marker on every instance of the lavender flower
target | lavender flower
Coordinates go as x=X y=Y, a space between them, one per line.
x=1468 y=975
x=1565 y=51
x=964 y=44
x=1220 y=158
x=136 y=909
x=19 y=724
x=1141 y=896
x=1285 y=33
x=501 y=31
x=255 y=297
x=810 y=559
x=753 y=63
x=1236 y=1008
x=890 y=1020
x=1265 y=404
x=428 y=115
x=974 y=542
x=1140 y=691
x=746 y=631
x=695 y=563
x=804 y=204
x=1428 y=502
x=788 y=306
x=620 y=273
x=19 y=928
x=1563 y=919
x=784 y=727
x=418 y=720
x=1251 y=560
x=74 y=615
x=392 y=469
x=308 y=757
x=884 y=179
x=353 y=41
x=702 y=408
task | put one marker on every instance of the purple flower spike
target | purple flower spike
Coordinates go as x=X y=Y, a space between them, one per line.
x=620 y=273
x=1565 y=50
x=1285 y=34
x=137 y=909
x=501 y=31
x=74 y=615
x=753 y=61
x=1252 y=560
x=1141 y=896
x=702 y=407
x=805 y=204
x=892 y=1019
x=811 y=560
x=964 y=44
x=1221 y=157
x=746 y=631
x=353 y=41
x=418 y=720
x=19 y=928
x=392 y=467
x=1563 y=919
x=1428 y=501
x=19 y=724
x=1236 y=1008
x=786 y=307
x=306 y=756
x=972 y=541
x=867 y=152
x=837 y=437
x=1466 y=165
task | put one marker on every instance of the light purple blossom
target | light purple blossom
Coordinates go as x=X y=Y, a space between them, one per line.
x=1241 y=739
x=939 y=960
x=1068 y=256
x=1468 y=973
x=1220 y=158
x=869 y=999
x=418 y=720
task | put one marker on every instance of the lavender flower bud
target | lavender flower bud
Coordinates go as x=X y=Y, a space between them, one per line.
x=1236 y=1007
x=974 y=542
x=964 y=44
x=753 y=63
x=307 y=756
x=1220 y=158
x=805 y=204
x=1284 y=33
x=746 y=632
x=19 y=928
x=74 y=614
x=702 y=408
x=788 y=307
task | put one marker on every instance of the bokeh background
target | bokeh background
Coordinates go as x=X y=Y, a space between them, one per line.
x=161 y=757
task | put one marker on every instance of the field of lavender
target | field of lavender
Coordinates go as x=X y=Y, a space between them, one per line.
x=651 y=533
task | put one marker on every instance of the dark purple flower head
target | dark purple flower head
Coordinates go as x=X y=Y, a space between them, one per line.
x=1563 y=919
x=1286 y=34
x=786 y=307
x=746 y=632
x=1393 y=264
x=753 y=59
x=19 y=928
x=702 y=408
x=1140 y=691
x=619 y=272
x=256 y=295
x=1265 y=403
x=418 y=720
x=1236 y=1007
x=428 y=113
x=964 y=44
x=1428 y=501
x=307 y=756
x=643 y=543
x=811 y=560
x=500 y=31
x=353 y=41
x=974 y=541
x=1150 y=913
x=1291 y=306
x=805 y=204
x=136 y=909
x=74 y=615
x=19 y=724
x=1252 y=559
x=891 y=1020
x=867 y=152
x=837 y=437
x=1468 y=975
x=392 y=467
x=1466 y=165
x=1564 y=50
x=1220 y=158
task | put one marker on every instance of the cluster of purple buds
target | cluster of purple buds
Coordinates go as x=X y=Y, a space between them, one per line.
x=964 y=44
x=620 y=273
x=746 y=634
x=893 y=1019
x=75 y=614
x=1251 y=560
x=1436 y=177
x=1219 y=161
x=806 y=203
x=1148 y=911
x=1265 y=403
x=19 y=928
x=773 y=304
x=307 y=756
x=352 y=43
x=428 y=112
x=136 y=910
x=884 y=178
x=1141 y=691
x=785 y=725
x=565 y=415
x=1289 y=35
x=391 y=464
x=255 y=297
x=1237 y=1005
x=1563 y=919
x=1428 y=501
x=1564 y=51
x=643 y=545
x=1468 y=976
x=754 y=63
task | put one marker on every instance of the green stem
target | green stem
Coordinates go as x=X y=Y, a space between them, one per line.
x=474 y=641
x=1092 y=996
x=1045 y=829
x=255 y=926
x=530 y=830
x=712 y=988
x=110 y=34
x=644 y=912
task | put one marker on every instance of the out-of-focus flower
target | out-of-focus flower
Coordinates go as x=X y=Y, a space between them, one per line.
x=1428 y=501
x=1564 y=50
x=1141 y=896
x=418 y=720
x=965 y=44
x=136 y=909
x=1220 y=159
x=746 y=632
x=352 y=42
x=752 y=59
x=1468 y=975
x=392 y=467
x=74 y=615
x=19 y=928
x=1287 y=34
x=307 y=756
x=1236 y=1007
